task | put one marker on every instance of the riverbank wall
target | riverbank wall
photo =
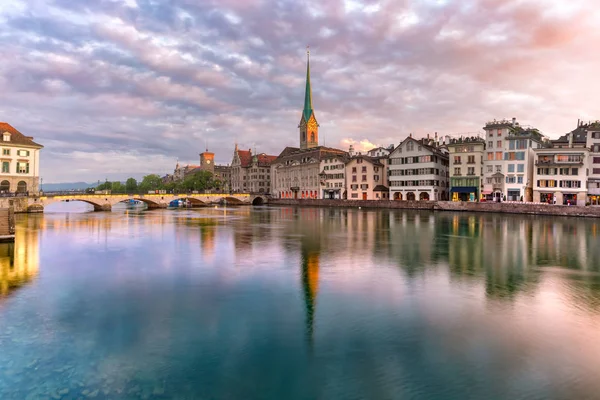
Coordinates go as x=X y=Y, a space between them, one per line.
x=504 y=208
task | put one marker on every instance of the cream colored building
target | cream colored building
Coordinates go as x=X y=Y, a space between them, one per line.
x=419 y=170
x=561 y=172
x=466 y=168
x=20 y=161
x=593 y=143
x=333 y=176
x=366 y=178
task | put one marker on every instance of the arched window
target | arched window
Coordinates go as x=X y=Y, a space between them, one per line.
x=312 y=136
x=21 y=187
x=5 y=186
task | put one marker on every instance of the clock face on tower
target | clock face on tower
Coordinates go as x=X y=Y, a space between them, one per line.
x=208 y=161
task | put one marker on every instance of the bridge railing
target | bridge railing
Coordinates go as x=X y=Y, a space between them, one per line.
x=14 y=194
x=167 y=193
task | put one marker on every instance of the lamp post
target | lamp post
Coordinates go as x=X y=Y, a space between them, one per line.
x=42 y=185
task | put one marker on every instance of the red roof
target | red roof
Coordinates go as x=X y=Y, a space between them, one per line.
x=264 y=160
x=17 y=137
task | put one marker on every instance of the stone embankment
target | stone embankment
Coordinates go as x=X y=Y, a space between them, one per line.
x=506 y=208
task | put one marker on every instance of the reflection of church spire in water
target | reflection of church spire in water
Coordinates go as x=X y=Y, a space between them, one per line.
x=310 y=286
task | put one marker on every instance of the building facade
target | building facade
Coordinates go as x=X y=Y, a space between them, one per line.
x=466 y=168
x=299 y=172
x=418 y=170
x=333 y=176
x=366 y=178
x=20 y=162
x=508 y=161
x=593 y=144
x=250 y=173
x=561 y=170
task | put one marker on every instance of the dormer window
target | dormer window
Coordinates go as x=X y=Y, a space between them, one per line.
x=6 y=137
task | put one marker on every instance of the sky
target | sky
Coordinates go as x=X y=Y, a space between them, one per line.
x=114 y=89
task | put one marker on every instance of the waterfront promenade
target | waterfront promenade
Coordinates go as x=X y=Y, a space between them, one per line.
x=483 y=207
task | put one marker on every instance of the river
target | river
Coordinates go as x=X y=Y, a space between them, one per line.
x=299 y=303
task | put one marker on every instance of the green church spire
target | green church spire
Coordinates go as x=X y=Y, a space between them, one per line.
x=308 y=110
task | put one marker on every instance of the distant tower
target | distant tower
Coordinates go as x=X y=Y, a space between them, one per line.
x=207 y=161
x=309 y=127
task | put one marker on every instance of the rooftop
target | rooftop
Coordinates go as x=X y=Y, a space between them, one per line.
x=17 y=137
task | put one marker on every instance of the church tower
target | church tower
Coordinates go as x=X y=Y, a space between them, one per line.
x=207 y=161
x=309 y=128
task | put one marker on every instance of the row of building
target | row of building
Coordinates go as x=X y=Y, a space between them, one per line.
x=509 y=162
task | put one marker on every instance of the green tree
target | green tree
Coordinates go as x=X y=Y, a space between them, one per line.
x=117 y=187
x=104 y=186
x=151 y=182
x=131 y=185
x=201 y=180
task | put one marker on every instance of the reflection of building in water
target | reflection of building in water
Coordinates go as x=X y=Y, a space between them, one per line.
x=19 y=261
x=413 y=241
x=310 y=286
x=207 y=235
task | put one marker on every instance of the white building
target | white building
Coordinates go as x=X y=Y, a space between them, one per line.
x=561 y=171
x=508 y=162
x=20 y=161
x=418 y=170
x=333 y=176
x=593 y=144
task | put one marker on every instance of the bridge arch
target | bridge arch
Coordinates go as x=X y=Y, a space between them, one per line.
x=194 y=201
x=259 y=201
x=98 y=206
x=232 y=200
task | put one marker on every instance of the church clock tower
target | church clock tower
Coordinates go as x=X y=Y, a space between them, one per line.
x=309 y=127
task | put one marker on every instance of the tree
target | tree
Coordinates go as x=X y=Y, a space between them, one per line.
x=131 y=185
x=201 y=180
x=117 y=187
x=150 y=182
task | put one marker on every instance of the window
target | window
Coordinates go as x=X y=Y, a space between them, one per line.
x=595 y=135
x=364 y=178
x=376 y=178
x=499 y=144
x=5 y=167
x=520 y=179
x=457 y=171
x=595 y=171
x=510 y=179
x=575 y=171
x=410 y=146
x=6 y=152
x=354 y=178
x=364 y=169
x=6 y=137
x=353 y=170
x=23 y=168
x=498 y=168
x=354 y=195
x=499 y=132
x=471 y=160
x=490 y=156
x=520 y=155
x=568 y=158
x=511 y=167
x=23 y=153
x=456 y=159
x=488 y=180
x=596 y=160
x=498 y=155
x=471 y=171
x=520 y=167
x=490 y=168
x=490 y=144
x=511 y=144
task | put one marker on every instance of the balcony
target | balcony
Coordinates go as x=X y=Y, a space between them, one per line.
x=555 y=162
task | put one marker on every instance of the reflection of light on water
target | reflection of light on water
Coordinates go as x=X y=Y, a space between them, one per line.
x=19 y=261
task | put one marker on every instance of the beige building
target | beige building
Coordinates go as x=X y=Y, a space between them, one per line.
x=366 y=178
x=20 y=161
x=561 y=172
x=250 y=173
x=466 y=168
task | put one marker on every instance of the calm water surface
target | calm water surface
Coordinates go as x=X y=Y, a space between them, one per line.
x=285 y=303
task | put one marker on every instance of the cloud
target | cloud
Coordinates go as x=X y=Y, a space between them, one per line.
x=153 y=81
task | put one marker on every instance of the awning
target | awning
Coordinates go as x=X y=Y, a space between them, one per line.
x=464 y=189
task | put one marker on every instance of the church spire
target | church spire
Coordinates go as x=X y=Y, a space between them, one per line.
x=308 y=110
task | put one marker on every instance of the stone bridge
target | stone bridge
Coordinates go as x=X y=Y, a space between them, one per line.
x=104 y=202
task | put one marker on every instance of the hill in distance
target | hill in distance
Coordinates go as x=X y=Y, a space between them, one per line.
x=55 y=187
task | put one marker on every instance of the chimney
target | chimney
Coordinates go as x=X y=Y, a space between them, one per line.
x=428 y=137
x=410 y=135
x=571 y=139
x=514 y=121
x=436 y=138
x=578 y=122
